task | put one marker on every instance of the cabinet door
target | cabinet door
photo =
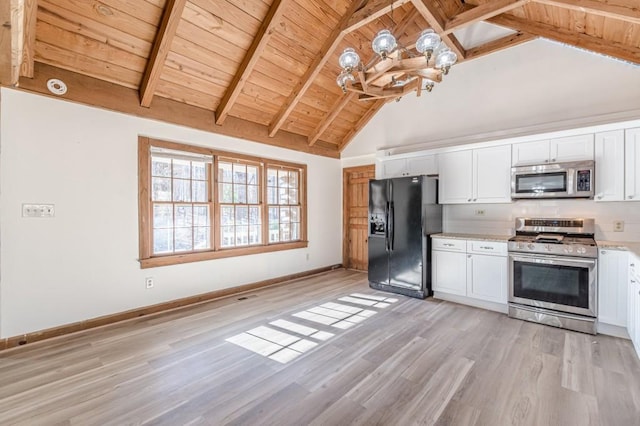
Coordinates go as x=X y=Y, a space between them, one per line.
x=610 y=166
x=455 y=180
x=632 y=165
x=633 y=312
x=573 y=148
x=492 y=174
x=422 y=165
x=487 y=277
x=612 y=287
x=394 y=168
x=449 y=272
x=530 y=153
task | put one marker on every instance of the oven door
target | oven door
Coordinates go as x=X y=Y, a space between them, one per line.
x=561 y=283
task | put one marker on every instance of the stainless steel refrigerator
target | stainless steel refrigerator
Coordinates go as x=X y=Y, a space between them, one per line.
x=403 y=213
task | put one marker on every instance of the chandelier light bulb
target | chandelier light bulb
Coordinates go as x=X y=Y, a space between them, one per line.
x=384 y=43
x=427 y=43
x=343 y=78
x=349 y=59
x=427 y=84
x=445 y=59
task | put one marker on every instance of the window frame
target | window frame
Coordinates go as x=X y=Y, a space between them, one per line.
x=145 y=206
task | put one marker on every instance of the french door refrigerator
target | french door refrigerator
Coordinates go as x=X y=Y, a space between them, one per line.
x=403 y=213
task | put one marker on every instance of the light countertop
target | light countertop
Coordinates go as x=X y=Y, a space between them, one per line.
x=476 y=237
x=633 y=247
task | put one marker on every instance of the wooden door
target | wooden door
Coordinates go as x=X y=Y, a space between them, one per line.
x=355 y=205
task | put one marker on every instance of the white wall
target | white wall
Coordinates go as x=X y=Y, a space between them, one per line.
x=499 y=218
x=82 y=263
x=534 y=84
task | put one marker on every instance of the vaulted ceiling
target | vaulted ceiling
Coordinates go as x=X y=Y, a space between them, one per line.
x=265 y=70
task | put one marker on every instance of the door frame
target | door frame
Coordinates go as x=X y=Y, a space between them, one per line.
x=345 y=195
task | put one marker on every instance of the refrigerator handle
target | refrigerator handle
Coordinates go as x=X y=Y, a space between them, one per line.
x=386 y=227
x=391 y=225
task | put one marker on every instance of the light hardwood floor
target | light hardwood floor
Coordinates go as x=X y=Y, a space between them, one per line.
x=413 y=362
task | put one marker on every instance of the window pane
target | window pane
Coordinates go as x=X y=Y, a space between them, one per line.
x=162 y=241
x=271 y=195
x=254 y=215
x=252 y=194
x=160 y=166
x=285 y=232
x=283 y=196
x=293 y=196
x=227 y=234
x=201 y=238
x=283 y=178
x=255 y=234
x=242 y=235
x=239 y=173
x=240 y=194
x=226 y=193
x=184 y=239
x=274 y=215
x=284 y=215
x=199 y=189
x=183 y=215
x=242 y=215
x=198 y=170
x=162 y=215
x=272 y=177
x=295 y=214
x=252 y=175
x=224 y=172
x=161 y=189
x=293 y=179
x=201 y=216
x=182 y=169
x=181 y=190
x=227 y=216
x=295 y=231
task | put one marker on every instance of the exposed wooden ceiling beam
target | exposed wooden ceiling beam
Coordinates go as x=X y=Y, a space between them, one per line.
x=167 y=30
x=323 y=56
x=335 y=110
x=436 y=21
x=102 y=94
x=11 y=40
x=250 y=59
x=584 y=41
x=29 y=37
x=5 y=43
x=481 y=13
x=371 y=112
x=601 y=8
x=500 y=44
x=371 y=11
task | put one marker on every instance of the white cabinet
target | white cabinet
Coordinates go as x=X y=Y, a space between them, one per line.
x=633 y=302
x=411 y=166
x=476 y=176
x=474 y=269
x=612 y=287
x=609 y=166
x=632 y=165
x=572 y=148
x=449 y=272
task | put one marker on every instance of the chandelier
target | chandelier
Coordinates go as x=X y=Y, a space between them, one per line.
x=395 y=70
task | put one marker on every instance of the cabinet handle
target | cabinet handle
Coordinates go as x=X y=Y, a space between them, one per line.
x=448 y=245
x=599 y=197
x=469 y=200
x=630 y=197
x=474 y=200
x=546 y=161
x=603 y=252
x=632 y=265
x=553 y=160
x=486 y=247
x=469 y=256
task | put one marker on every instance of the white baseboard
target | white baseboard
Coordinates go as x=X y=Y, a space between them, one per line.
x=463 y=300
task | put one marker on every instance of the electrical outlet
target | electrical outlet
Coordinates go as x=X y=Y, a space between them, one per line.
x=38 y=210
x=479 y=212
x=148 y=282
x=307 y=256
x=618 y=225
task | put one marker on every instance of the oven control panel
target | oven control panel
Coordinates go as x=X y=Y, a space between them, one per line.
x=578 y=250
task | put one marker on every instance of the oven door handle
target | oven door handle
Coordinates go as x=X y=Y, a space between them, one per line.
x=552 y=260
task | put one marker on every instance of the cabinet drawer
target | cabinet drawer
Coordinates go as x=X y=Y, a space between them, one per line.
x=487 y=247
x=449 y=244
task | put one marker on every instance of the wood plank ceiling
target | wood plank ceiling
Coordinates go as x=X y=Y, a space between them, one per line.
x=265 y=70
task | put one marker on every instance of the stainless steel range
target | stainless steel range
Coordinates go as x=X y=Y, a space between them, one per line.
x=553 y=273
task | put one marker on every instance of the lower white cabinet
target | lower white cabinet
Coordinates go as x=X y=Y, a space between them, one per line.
x=612 y=287
x=633 y=306
x=480 y=272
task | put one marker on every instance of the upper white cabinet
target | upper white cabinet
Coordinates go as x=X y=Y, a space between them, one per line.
x=632 y=165
x=412 y=166
x=476 y=176
x=612 y=287
x=617 y=165
x=573 y=148
x=610 y=166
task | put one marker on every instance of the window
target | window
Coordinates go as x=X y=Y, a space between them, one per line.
x=198 y=204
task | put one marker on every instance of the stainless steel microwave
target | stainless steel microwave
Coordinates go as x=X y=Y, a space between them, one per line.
x=554 y=180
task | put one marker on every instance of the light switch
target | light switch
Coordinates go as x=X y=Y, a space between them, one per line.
x=38 y=210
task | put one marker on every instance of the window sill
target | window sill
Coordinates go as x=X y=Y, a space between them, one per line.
x=177 y=259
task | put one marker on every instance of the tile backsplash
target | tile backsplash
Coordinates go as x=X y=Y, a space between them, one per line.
x=499 y=218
